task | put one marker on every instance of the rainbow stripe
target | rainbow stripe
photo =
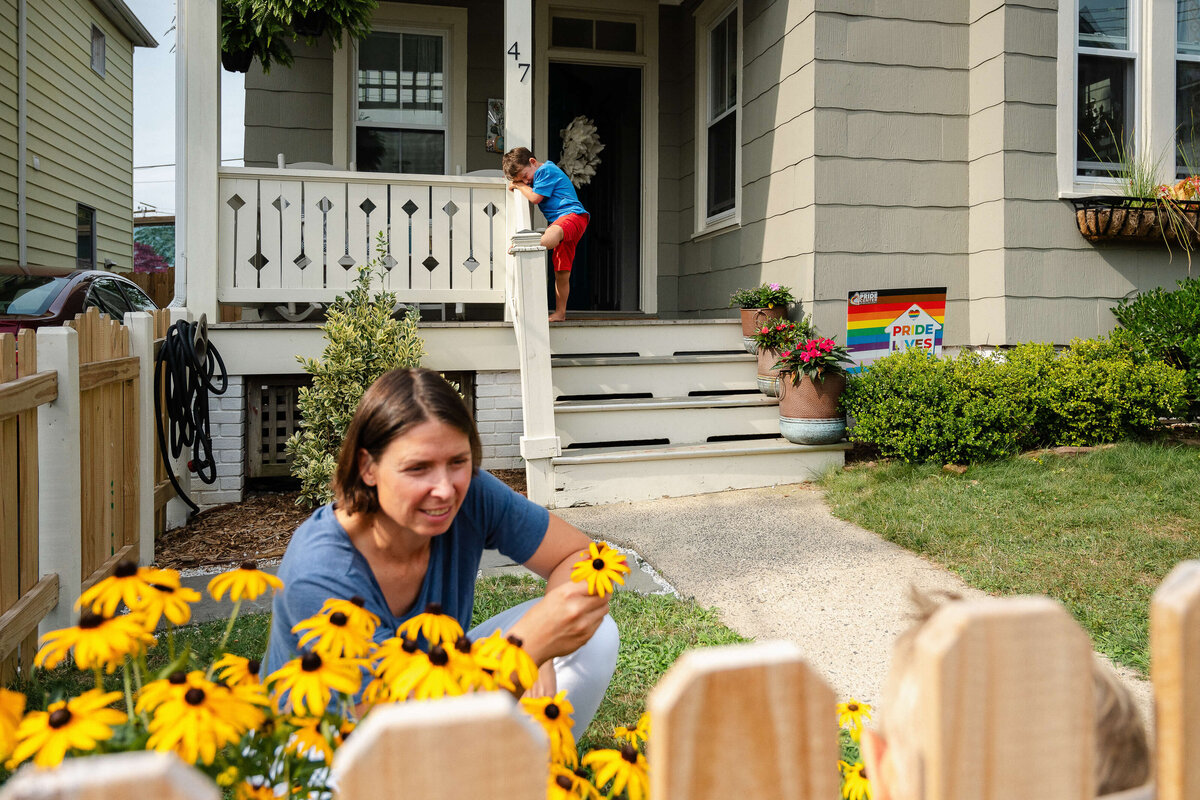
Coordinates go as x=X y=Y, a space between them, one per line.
x=867 y=335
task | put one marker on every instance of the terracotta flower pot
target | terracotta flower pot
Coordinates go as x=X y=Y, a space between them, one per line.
x=768 y=378
x=808 y=411
x=755 y=318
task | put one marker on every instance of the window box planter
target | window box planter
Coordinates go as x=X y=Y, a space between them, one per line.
x=1105 y=218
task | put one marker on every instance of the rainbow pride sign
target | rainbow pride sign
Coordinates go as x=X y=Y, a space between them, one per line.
x=883 y=321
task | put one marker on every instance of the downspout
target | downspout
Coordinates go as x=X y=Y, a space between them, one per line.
x=181 y=128
x=22 y=58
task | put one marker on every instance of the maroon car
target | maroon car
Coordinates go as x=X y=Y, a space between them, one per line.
x=31 y=297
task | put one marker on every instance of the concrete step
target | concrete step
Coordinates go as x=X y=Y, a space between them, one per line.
x=659 y=337
x=590 y=476
x=679 y=420
x=657 y=376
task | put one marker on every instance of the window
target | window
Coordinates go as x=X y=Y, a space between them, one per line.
x=718 y=151
x=98 y=51
x=85 y=236
x=594 y=34
x=105 y=295
x=1105 y=102
x=402 y=114
x=1187 y=87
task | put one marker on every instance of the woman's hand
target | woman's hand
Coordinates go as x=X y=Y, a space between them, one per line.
x=546 y=684
x=562 y=622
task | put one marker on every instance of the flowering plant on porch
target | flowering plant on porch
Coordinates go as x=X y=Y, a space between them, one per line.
x=780 y=335
x=769 y=295
x=817 y=358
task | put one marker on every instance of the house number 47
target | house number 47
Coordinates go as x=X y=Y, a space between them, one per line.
x=515 y=52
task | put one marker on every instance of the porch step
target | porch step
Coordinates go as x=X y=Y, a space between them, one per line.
x=616 y=474
x=657 y=376
x=678 y=420
x=653 y=337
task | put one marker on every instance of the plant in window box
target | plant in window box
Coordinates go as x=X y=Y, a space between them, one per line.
x=758 y=306
x=812 y=377
x=245 y=35
x=309 y=19
x=773 y=338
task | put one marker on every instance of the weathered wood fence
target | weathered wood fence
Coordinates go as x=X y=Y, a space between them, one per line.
x=83 y=486
x=1005 y=713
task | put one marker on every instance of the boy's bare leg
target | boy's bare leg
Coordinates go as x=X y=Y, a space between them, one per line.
x=552 y=237
x=562 y=288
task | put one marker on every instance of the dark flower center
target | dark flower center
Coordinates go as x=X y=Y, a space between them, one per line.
x=863 y=771
x=438 y=656
x=358 y=601
x=194 y=696
x=253 y=666
x=59 y=718
x=89 y=620
x=337 y=618
x=463 y=645
x=852 y=707
x=311 y=662
x=177 y=678
x=516 y=641
x=249 y=565
x=563 y=781
x=409 y=646
x=125 y=569
x=628 y=752
x=163 y=589
x=433 y=608
x=598 y=563
x=552 y=711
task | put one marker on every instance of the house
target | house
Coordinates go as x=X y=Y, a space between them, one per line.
x=66 y=137
x=834 y=147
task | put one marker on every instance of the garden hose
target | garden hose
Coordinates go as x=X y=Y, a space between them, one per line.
x=184 y=369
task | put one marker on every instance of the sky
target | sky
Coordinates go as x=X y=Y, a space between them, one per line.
x=154 y=111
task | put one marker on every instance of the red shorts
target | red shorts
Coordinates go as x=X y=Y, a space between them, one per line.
x=573 y=226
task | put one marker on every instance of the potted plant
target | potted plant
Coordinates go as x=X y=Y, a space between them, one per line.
x=758 y=305
x=246 y=34
x=773 y=338
x=309 y=19
x=809 y=402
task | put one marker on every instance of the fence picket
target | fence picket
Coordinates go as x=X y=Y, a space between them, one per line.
x=1005 y=705
x=1175 y=669
x=28 y=470
x=743 y=721
x=124 y=775
x=10 y=507
x=471 y=746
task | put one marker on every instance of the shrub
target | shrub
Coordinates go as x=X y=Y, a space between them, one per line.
x=363 y=341
x=1168 y=325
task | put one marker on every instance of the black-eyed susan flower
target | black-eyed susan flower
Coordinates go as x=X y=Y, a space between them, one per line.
x=554 y=715
x=163 y=599
x=238 y=670
x=391 y=658
x=78 y=724
x=855 y=785
x=471 y=675
x=356 y=613
x=310 y=738
x=565 y=784
x=98 y=641
x=601 y=567
x=853 y=715
x=246 y=790
x=12 y=706
x=126 y=585
x=505 y=657
x=427 y=678
x=155 y=693
x=311 y=679
x=246 y=582
x=626 y=768
x=333 y=635
x=196 y=725
x=435 y=626
x=636 y=735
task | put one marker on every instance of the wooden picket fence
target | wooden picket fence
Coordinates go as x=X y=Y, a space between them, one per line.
x=83 y=483
x=1005 y=713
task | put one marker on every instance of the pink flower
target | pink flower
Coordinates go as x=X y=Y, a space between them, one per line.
x=774 y=287
x=807 y=356
x=785 y=354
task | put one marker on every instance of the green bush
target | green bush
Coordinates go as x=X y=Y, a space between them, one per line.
x=363 y=341
x=1168 y=325
x=917 y=408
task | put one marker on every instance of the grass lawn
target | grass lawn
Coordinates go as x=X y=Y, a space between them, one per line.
x=1098 y=531
x=655 y=630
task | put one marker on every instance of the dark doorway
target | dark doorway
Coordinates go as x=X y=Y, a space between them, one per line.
x=607 y=272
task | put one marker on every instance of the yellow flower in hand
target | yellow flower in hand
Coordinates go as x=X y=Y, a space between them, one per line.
x=852 y=715
x=600 y=566
x=77 y=724
x=626 y=768
x=247 y=581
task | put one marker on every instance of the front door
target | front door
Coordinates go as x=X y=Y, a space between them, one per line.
x=607 y=272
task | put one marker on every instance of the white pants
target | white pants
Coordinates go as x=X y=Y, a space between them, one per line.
x=584 y=674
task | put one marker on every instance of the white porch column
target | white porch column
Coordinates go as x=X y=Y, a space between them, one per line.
x=518 y=74
x=197 y=153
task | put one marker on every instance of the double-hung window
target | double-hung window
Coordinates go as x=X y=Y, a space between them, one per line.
x=403 y=103
x=1187 y=87
x=718 y=110
x=1105 y=102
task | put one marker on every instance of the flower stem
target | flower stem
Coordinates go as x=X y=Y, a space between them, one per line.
x=237 y=605
x=128 y=690
x=99 y=678
x=171 y=642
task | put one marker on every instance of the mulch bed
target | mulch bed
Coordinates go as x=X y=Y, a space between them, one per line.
x=259 y=527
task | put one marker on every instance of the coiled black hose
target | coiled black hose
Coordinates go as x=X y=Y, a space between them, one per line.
x=185 y=367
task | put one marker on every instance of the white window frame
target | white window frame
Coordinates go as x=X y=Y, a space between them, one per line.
x=709 y=15
x=1193 y=58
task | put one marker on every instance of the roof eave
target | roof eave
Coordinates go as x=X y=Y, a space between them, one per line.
x=126 y=21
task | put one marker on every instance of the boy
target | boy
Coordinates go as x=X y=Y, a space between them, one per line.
x=549 y=188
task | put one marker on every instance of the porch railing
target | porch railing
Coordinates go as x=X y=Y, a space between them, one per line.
x=289 y=235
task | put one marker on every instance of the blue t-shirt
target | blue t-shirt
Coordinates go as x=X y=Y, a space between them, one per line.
x=557 y=191
x=321 y=562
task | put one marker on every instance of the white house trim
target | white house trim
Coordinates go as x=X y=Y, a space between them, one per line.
x=707 y=15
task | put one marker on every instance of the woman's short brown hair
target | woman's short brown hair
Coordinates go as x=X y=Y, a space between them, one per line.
x=394 y=404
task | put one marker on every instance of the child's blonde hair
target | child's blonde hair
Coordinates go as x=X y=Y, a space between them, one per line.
x=1122 y=757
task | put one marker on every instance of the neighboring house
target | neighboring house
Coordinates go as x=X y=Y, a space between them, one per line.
x=66 y=137
x=832 y=146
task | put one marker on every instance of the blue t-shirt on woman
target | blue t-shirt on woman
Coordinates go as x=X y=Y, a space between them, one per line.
x=321 y=562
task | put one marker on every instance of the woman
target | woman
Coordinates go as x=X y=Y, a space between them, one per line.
x=411 y=517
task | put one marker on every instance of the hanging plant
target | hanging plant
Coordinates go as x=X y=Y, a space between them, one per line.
x=581 y=151
x=309 y=19
x=246 y=36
